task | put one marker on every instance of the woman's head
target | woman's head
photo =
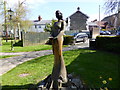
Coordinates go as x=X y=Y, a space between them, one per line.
x=59 y=15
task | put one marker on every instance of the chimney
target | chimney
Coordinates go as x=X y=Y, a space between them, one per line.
x=39 y=18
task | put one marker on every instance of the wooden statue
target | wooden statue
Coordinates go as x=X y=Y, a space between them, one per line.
x=59 y=74
x=59 y=69
x=58 y=80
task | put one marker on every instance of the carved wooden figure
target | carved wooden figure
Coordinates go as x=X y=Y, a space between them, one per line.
x=59 y=73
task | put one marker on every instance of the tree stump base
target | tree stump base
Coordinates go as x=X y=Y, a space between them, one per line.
x=74 y=83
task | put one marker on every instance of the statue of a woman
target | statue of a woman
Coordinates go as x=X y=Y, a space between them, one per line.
x=59 y=70
x=59 y=27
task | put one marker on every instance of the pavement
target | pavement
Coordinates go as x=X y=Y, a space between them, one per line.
x=9 y=63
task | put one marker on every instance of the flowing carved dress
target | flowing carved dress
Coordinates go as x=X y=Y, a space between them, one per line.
x=59 y=69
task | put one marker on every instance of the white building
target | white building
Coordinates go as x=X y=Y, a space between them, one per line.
x=39 y=25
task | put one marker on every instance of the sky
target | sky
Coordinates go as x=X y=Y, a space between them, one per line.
x=46 y=8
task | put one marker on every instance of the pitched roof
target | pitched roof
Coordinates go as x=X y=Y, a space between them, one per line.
x=42 y=21
x=92 y=24
x=97 y=23
x=79 y=12
x=108 y=17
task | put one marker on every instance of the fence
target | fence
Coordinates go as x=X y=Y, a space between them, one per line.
x=34 y=38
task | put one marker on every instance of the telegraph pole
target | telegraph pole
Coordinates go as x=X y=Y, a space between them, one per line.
x=99 y=18
x=118 y=13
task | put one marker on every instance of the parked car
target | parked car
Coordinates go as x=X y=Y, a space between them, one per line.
x=118 y=31
x=81 y=37
x=108 y=32
x=102 y=33
x=73 y=34
x=105 y=33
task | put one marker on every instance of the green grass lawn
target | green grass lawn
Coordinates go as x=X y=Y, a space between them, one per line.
x=89 y=65
x=6 y=47
x=7 y=56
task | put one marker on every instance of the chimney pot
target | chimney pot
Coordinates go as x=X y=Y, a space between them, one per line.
x=39 y=18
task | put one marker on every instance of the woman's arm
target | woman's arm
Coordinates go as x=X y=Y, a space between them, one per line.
x=62 y=29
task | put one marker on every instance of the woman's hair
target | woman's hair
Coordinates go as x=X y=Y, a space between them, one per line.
x=59 y=15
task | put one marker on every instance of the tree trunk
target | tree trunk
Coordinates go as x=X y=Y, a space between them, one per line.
x=14 y=34
x=19 y=32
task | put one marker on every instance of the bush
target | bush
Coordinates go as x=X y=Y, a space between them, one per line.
x=9 y=38
x=19 y=43
x=108 y=43
x=67 y=40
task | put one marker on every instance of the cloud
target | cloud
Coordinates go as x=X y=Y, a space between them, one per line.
x=29 y=2
x=35 y=1
x=45 y=1
x=72 y=0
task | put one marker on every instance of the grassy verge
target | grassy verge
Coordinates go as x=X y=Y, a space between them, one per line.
x=7 y=56
x=6 y=47
x=87 y=64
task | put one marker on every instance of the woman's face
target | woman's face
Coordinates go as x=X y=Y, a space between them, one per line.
x=59 y=15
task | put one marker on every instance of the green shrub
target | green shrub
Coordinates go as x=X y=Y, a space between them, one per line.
x=19 y=43
x=8 y=38
x=67 y=40
x=108 y=43
x=6 y=43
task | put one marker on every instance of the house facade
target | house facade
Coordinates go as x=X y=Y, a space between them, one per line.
x=112 y=21
x=39 y=25
x=77 y=21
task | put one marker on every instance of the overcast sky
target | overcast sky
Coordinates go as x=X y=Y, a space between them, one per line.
x=46 y=8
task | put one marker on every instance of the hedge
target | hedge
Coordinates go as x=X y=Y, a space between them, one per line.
x=19 y=43
x=67 y=40
x=108 y=43
x=8 y=38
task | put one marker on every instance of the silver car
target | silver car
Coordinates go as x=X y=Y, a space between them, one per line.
x=81 y=37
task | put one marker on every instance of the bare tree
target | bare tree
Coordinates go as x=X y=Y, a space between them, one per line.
x=3 y=14
x=20 y=21
x=26 y=24
x=112 y=5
